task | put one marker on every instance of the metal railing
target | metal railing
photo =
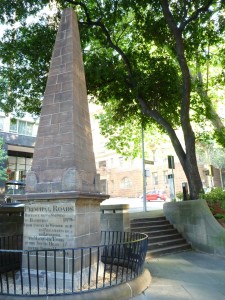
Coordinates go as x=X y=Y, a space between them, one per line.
x=118 y=259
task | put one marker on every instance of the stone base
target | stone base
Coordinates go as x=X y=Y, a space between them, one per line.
x=49 y=225
x=115 y=217
x=61 y=224
x=60 y=221
x=59 y=280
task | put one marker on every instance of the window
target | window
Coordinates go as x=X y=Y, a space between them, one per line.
x=18 y=164
x=128 y=162
x=102 y=164
x=2 y=123
x=165 y=176
x=121 y=161
x=111 y=161
x=103 y=186
x=125 y=183
x=154 y=155
x=21 y=127
x=112 y=186
x=155 y=178
x=13 y=126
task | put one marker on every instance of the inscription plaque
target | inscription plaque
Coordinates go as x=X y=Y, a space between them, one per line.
x=49 y=226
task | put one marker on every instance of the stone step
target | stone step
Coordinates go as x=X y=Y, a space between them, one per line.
x=165 y=243
x=150 y=227
x=149 y=223
x=163 y=237
x=166 y=237
x=160 y=232
x=148 y=219
x=167 y=250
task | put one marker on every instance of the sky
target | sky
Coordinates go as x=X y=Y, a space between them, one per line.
x=2 y=28
x=47 y=10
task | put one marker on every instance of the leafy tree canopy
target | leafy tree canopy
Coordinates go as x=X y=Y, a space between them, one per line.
x=145 y=61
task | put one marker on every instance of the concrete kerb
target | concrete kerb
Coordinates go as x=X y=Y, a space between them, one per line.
x=122 y=291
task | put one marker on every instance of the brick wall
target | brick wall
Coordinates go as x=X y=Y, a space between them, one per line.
x=124 y=182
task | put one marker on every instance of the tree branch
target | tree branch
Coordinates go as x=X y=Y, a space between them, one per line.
x=155 y=115
x=98 y=23
x=186 y=90
x=177 y=33
x=185 y=10
x=81 y=4
x=195 y=15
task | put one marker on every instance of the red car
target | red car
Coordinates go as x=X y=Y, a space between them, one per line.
x=156 y=195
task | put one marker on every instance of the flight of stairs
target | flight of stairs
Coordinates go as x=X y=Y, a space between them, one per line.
x=163 y=237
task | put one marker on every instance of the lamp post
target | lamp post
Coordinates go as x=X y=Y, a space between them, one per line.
x=143 y=169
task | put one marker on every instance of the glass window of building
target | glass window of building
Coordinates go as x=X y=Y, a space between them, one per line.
x=125 y=183
x=103 y=186
x=2 y=119
x=165 y=175
x=155 y=178
x=102 y=164
x=18 y=165
x=21 y=127
x=112 y=186
x=154 y=155
x=121 y=161
x=111 y=161
x=13 y=126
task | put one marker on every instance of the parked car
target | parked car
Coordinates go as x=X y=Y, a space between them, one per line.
x=156 y=195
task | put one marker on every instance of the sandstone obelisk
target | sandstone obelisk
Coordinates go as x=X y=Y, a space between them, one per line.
x=62 y=200
x=63 y=157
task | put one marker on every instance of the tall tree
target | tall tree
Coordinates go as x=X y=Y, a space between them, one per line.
x=138 y=56
x=3 y=160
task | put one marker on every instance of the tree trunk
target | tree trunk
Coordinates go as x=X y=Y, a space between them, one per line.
x=189 y=163
x=193 y=177
x=221 y=178
x=188 y=159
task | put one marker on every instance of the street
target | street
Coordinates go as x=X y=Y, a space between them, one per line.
x=136 y=204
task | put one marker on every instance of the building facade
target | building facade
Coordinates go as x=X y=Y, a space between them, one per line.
x=121 y=177
x=18 y=137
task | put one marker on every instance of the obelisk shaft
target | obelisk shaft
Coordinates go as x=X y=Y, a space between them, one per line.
x=63 y=157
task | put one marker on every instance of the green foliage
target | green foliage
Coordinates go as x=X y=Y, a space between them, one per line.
x=138 y=57
x=210 y=153
x=25 y=63
x=219 y=135
x=220 y=216
x=13 y=11
x=217 y=195
x=180 y=196
x=3 y=158
x=125 y=135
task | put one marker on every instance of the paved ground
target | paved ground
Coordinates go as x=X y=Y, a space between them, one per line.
x=186 y=275
x=181 y=276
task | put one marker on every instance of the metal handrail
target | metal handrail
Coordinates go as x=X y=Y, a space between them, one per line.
x=119 y=258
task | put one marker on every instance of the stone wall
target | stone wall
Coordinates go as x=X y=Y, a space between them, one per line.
x=115 y=217
x=11 y=221
x=197 y=224
x=11 y=228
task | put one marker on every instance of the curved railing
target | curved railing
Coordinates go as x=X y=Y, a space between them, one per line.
x=119 y=258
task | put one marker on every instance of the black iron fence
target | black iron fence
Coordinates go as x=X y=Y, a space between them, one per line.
x=118 y=259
